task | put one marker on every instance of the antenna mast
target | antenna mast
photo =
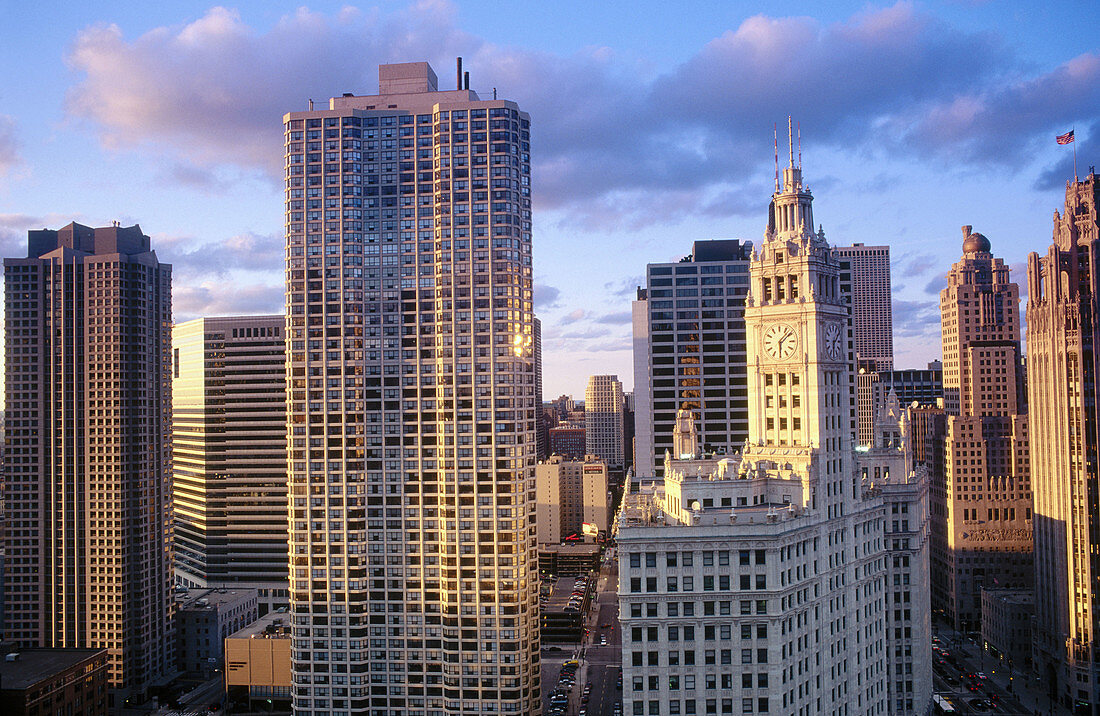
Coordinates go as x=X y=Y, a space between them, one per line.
x=790 y=142
x=775 y=139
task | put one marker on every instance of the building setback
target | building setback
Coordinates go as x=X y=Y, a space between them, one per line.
x=87 y=469
x=689 y=351
x=229 y=454
x=984 y=502
x=411 y=406
x=1062 y=317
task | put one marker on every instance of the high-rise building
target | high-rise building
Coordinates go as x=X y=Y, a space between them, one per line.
x=1062 y=320
x=865 y=281
x=411 y=405
x=689 y=350
x=887 y=471
x=570 y=493
x=87 y=469
x=229 y=455
x=770 y=554
x=924 y=386
x=984 y=501
x=604 y=432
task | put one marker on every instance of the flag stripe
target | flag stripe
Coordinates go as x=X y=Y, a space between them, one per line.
x=1066 y=138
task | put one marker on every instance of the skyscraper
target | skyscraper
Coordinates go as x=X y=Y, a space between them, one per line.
x=1062 y=321
x=411 y=405
x=229 y=454
x=984 y=504
x=604 y=432
x=771 y=559
x=921 y=385
x=689 y=350
x=865 y=281
x=88 y=317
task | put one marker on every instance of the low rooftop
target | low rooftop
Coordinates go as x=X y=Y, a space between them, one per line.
x=275 y=625
x=32 y=666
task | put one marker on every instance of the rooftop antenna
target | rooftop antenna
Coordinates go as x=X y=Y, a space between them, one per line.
x=800 y=145
x=790 y=141
x=775 y=139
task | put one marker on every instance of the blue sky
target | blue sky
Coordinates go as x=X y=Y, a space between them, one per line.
x=651 y=124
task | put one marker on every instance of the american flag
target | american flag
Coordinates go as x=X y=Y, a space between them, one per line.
x=1066 y=138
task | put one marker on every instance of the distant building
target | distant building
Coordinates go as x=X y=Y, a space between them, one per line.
x=204 y=618
x=1006 y=626
x=43 y=682
x=689 y=350
x=604 y=431
x=569 y=494
x=229 y=456
x=865 y=281
x=568 y=441
x=983 y=503
x=1064 y=395
x=87 y=462
x=257 y=663
x=924 y=386
x=542 y=424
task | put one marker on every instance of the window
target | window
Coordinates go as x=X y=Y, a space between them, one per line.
x=651 y=559
x=635 y=560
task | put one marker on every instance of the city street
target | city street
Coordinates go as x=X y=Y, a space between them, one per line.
x=599 y=665
x=993 y=696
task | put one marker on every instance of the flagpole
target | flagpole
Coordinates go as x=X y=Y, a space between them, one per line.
x=1074 y=130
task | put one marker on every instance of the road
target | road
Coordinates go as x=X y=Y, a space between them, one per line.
x=950 y=681
x=600 y=665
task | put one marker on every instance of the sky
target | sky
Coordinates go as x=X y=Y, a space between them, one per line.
x=652 y=128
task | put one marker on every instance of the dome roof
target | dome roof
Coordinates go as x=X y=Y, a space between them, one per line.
x=974 y=242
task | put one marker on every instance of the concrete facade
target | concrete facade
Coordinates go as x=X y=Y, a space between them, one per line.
x=411 y=404
x=204 y=618
x=229 y=455
x=87 y=464
x=257 y=660
x=984 y=503
x=772 y=600
x=568 y=494
x=923 y=386
x=1062 y=314
x=604 y=429
x=1006 y=625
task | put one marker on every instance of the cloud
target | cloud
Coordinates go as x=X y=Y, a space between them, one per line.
x=573 y=317
x=916 y=318
x=9 y=145
x=586 y=333
x=249 y=251
x=616 y=319
x=1056 y=176
x=633 y=148
x=911 y=265
x=1006 y=122
x=936 y=285
x=190 y=176
x=546 y=297
x=221 y=299
x=625 y=288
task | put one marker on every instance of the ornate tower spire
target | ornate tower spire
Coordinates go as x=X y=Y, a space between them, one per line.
x=791 y=212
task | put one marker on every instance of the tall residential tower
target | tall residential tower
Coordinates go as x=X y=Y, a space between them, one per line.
x=411 y=402
x=604 y=431
x=87 y=469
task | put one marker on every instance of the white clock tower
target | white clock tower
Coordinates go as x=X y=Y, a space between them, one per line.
x=798 y=379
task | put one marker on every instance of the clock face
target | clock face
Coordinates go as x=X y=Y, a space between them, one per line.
x=780 y=341
x=833 y=341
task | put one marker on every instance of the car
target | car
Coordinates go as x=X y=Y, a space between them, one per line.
x=980 y=704
x=981 y=675
x=951 y=680
x=582 y=711
x=605 y=625
x=974 y=687
x=571 y=662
